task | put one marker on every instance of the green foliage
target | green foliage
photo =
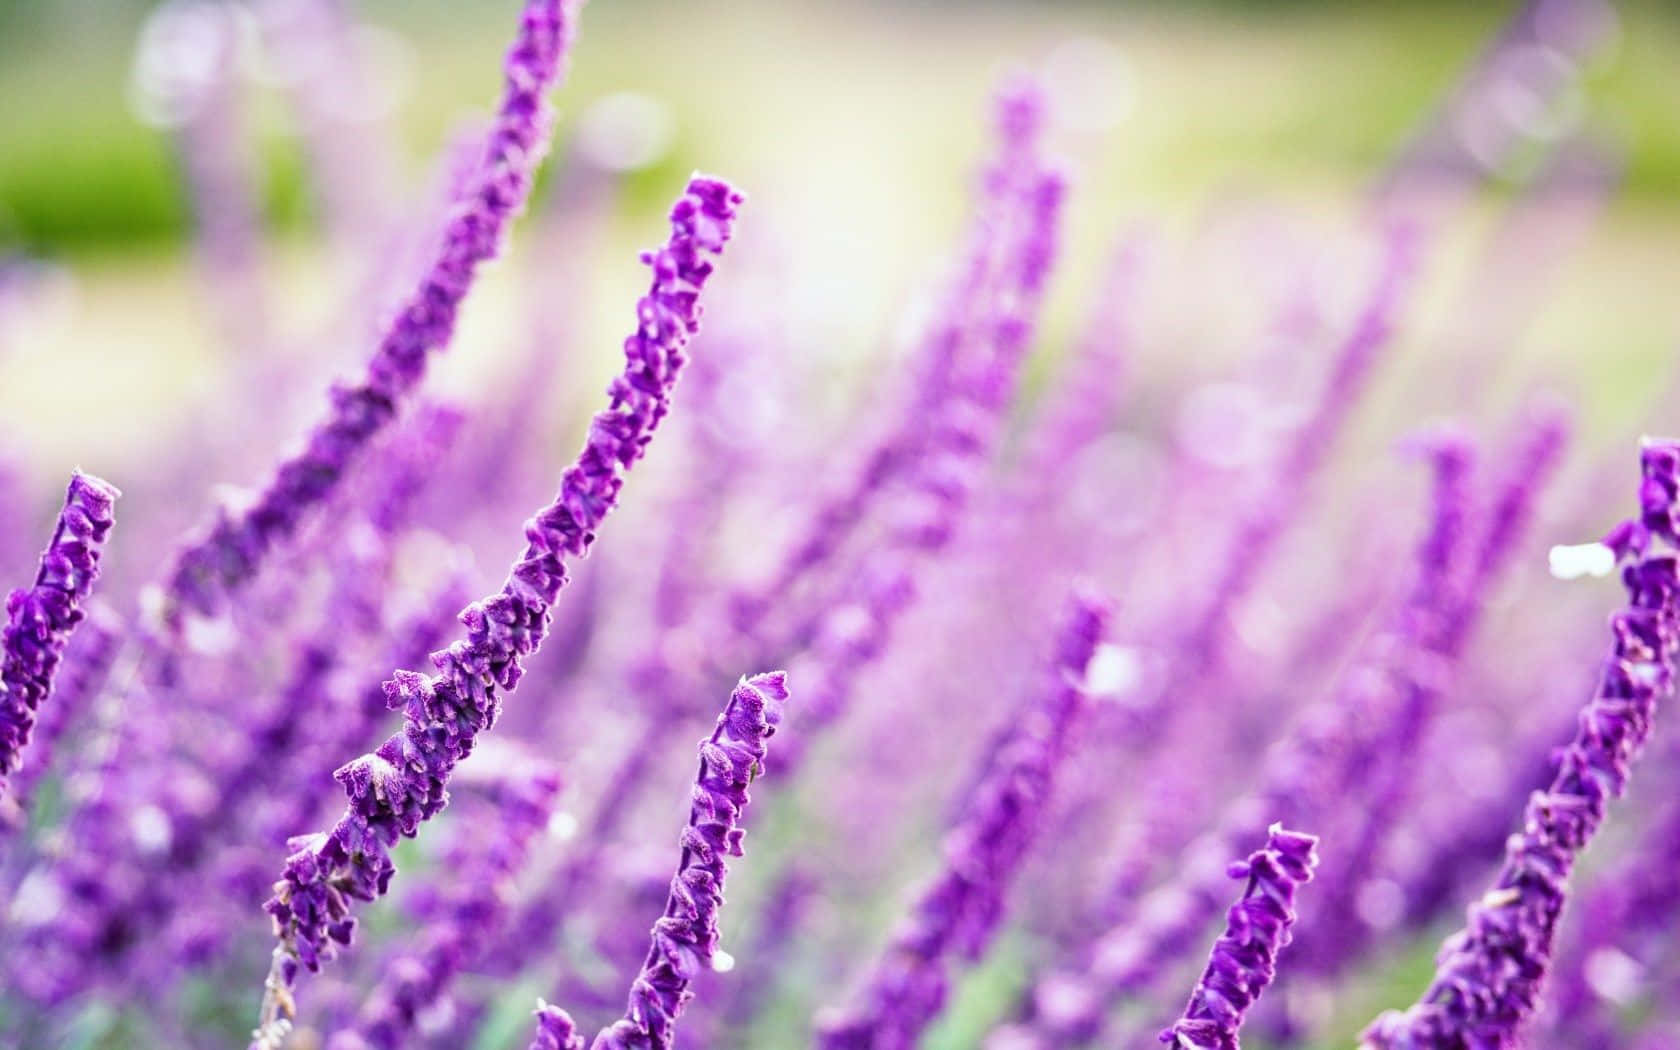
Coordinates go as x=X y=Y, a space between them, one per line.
x=1312 y=92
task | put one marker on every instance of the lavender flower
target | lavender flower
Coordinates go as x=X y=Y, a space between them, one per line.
x=960 y=909
x=555 y=1029
x=685 y=939
x=395 y=789
x=1337 y=934
x=851 y=634
x=41 y=618
x=87 y=662
x=187 y=77
x=477 y=876
x=1019 y=120
x=1244 y=959
x=1489 y=974
x=1259 y=532
x=1331 y=745
x=320 y=63
x=230 y=552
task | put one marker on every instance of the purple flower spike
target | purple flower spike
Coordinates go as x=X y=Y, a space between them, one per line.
x=87 y=663
x=1244 y=959
x=231 y=551
x=555 y=1029
x=404 y=783
x=960 y=910
x=471 y=902
x=1488 y=976
x=685 y=939
x=39 y=620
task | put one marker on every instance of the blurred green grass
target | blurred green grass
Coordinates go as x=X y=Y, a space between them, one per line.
x=1302 y=93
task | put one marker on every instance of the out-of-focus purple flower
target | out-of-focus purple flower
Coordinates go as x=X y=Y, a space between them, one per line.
x=395 y=789
x=14 y=542
x=773 y=942
x=475 y=881
x=187 y=78
x=1088 y=393
x=929 y=502
x=1540 y=444
x=1244 y=959
x=340 y=101
x=39 y=619
x=230 y=552
x=959 y=911
x=1336 y=934
x=685 y=939
x=979 y=277
x=1623 y=926
x=1475 y=131
x=1489 y=974
x=1261 y=529
x=1306 y=775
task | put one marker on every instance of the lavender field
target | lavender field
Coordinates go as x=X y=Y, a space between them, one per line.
x=1078 y=525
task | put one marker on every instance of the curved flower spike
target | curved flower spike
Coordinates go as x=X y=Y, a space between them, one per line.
x=555 y=1029
x=1244 y=959
x=685 y=939
x=1488 y=976
x=404 y=783
x=41 y=618
x=229 y=553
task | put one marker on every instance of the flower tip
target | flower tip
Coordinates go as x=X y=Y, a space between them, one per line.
x=1092 y=603
x=1297 y=849
x=91 y=489
x=1550 y=411
x=1020 y=107
x=555 y=1029
x=717 y=195
x=772 y=685
x=1447 y=444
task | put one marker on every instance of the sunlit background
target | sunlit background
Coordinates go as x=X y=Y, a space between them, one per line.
x=855 y=127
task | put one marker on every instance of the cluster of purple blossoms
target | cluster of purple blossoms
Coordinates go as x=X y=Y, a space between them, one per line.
x=231 y=550
x=404 y=783
x=1281 y=662
x=1489 y=975
x=40 y=618
x=685 y=938
x=958 y=913
x=1244 y=959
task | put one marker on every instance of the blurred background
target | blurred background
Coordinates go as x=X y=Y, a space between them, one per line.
x=854 y=126
x=204 y=208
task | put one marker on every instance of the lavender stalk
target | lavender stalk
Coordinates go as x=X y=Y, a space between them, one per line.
x=1244 y=959
x=41 y=618
x=1019 y=125
x=685 y=939
x=959 y=910
x=1489 y=975
x=231 y=551
x=477 y=876
x=403 y=784
x=87 y=662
